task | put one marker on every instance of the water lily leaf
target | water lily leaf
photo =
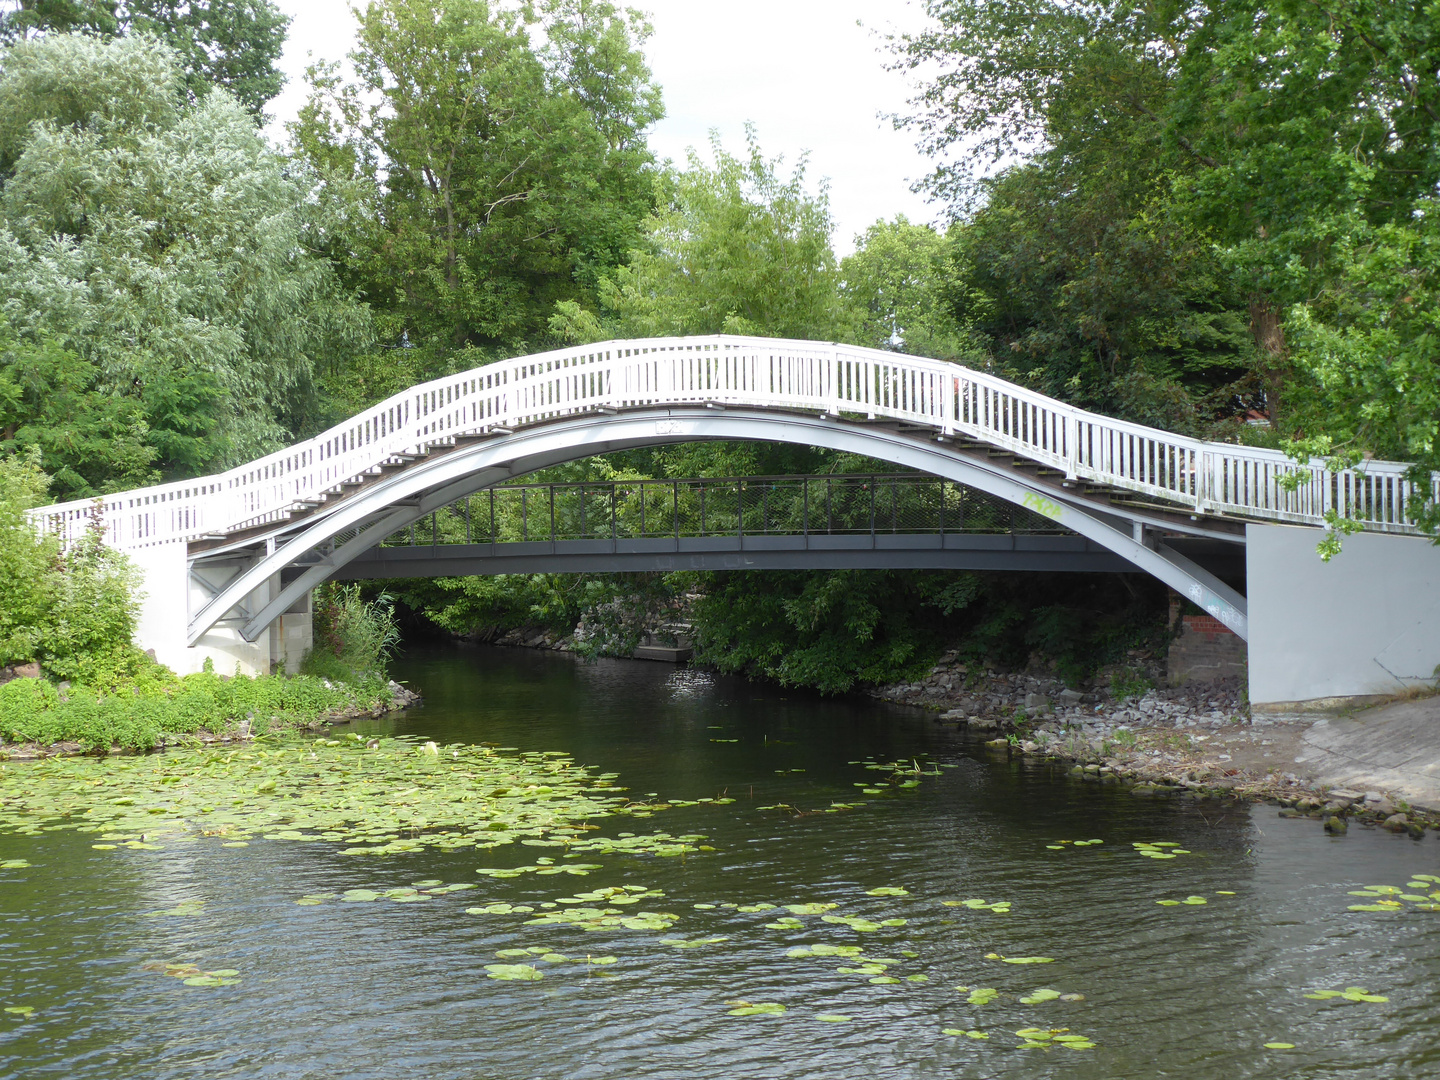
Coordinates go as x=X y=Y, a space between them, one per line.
x=1020 y=959
x=1279 y=1046
x=514 y=972
x=1350 y=993
x=20 y=1010
x=832 y=1018
x=1038 y=996
x=982 y=995
x=786 y=923
x=884 y=979
x=887 y=890
x=762 y=1008
x=13 y=864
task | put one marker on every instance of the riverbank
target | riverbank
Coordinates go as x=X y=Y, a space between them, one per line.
x=39 y=719
x=1200 y=739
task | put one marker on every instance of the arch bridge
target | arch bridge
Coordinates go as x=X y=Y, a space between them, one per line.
x=230 y=558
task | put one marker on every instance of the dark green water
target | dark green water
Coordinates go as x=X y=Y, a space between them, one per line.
x=399 y=990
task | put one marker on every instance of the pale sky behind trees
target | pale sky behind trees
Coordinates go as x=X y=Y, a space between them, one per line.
x=801 y=70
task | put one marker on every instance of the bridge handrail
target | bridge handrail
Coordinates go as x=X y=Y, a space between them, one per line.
x=835 y=379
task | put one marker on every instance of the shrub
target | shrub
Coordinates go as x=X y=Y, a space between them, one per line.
x=354 y=638
x=136 y=716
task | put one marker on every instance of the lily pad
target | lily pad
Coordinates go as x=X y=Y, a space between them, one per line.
x=761 y=1008
x=832 y=1018
x=887 y=890
x=1020 y=959
x=1350 y=993
x=514 y=972
x=1279 y=1046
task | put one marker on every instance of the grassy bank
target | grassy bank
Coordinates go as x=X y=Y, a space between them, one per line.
x=140 y=715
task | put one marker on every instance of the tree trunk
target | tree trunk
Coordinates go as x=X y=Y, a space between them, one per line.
x=1273 y=355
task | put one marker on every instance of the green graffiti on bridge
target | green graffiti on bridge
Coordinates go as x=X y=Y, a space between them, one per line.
x=1043 y=506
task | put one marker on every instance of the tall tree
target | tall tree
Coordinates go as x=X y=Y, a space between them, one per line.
x=734 y=248
x=230 y=43
x=499 y=155
x=164 y=243
x=896 y=288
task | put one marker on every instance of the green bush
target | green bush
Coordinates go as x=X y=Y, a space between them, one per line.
x=354 y=638
x=72 y=609
x=157 y=703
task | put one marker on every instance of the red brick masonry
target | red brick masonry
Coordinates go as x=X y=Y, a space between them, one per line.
x=1205 y=624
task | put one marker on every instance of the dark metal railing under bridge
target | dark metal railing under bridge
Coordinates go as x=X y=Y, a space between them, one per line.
x=834 y=505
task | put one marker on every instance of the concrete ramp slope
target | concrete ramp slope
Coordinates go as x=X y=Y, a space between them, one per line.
x=1392 y=748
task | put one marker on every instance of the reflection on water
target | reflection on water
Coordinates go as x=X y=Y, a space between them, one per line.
x=383 y=989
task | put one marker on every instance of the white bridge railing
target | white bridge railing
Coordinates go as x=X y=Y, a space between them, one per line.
x=1205 y=477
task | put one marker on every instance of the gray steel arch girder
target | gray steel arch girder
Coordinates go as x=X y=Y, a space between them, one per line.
x=432 y=485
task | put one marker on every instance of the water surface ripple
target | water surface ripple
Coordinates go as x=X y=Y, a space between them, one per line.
x=381 y=990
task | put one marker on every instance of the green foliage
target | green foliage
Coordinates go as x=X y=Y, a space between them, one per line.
x=89 y=441
x=734 y=248
x=824 y=631
x=895 y=288
x=1195 y=176
x=73 y=611
x=354 y=637
x=137 y=715
x=228 y=43
x=490 y=160
x=162 y=243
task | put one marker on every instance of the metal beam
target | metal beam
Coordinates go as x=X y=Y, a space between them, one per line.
x=951 y=552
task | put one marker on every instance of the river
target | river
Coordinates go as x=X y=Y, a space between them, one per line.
x=378 y=989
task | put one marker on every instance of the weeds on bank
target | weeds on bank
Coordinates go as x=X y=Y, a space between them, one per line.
x=137 y=716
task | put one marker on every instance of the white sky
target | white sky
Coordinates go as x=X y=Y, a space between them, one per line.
x=801 y=70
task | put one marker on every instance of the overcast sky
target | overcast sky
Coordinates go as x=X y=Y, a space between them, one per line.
x=803 y=70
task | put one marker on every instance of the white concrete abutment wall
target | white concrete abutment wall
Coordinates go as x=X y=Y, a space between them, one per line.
x=1366 y=623
x=168 y=595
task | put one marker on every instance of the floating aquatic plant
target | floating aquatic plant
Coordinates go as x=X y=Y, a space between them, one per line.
x=22 y=1011
x=1279 y=1046
x=824 y=950
x=697 y=943
x=832 y=1018
x=514 y=972
x=1044 y=1038
x=1350 y=993
x=1041 y=995
x=980 y=995
x=1159 y=849
x=192 y=975
x=1394 y=898
x=13 y=864
x=887 y=890
x=962 y=1032
x=1000 y=907
x=1020 y=959
x=759 y=1008
x=383 y=799
x=1193 y=901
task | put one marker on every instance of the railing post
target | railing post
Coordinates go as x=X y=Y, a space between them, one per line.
x=1072 y=447
x=493 y=537
x=552 y=513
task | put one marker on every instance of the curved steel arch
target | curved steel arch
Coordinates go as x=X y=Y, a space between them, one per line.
x=394 y=503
